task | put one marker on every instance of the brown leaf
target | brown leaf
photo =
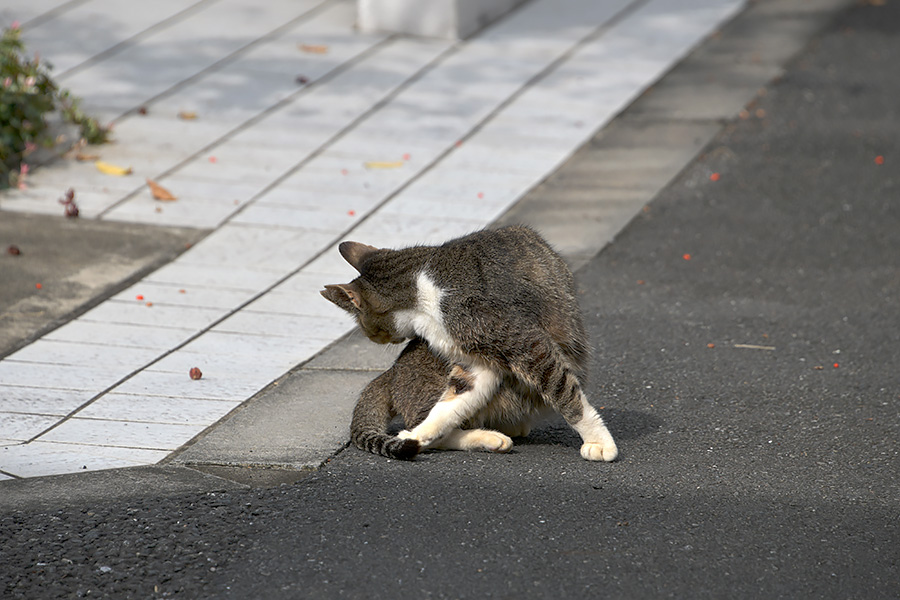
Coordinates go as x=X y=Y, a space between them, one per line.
x=187 y=115
x=313 y=48
x=83 y=156
x=159 y=192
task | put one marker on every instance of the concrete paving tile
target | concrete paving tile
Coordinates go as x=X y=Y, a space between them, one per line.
x=176 y=53
x=20 y=427
x=131 y=313
x=58 y=376
x=52 y=36
x=225 y=277
x=39 y=458
x=237 y=164
x=41 y=401
x=157 y=409
x=308 y=303
x=470 y=209
x=296 y=134
x=308 y=283
x=201 y=213
x=118 y=334
x=292 y=196
x=227 y=369
x=464 y=186
x=248 y=246
x=83 y=354
x=123 y=434
x=343 y=176
x=324 y=220
x=482 y=155
x=215 y=385
x=391 y=232
x=249 y=349
x=298 y=327
x=331 y=265
x=24 y=11
x=168 y=294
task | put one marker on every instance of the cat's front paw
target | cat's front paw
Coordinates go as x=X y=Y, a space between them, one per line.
x=606 y=451
x=424 y=440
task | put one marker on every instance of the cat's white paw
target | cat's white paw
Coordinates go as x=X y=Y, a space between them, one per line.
x=606 y=451
x=493 y=441
x=424 y=438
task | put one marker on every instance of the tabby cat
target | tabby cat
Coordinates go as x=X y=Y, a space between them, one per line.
x=496 y=305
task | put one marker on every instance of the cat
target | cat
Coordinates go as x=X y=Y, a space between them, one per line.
x=496 y=303
x=414 y=384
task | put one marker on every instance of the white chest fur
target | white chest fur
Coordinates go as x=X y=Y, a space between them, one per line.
x=426 y=320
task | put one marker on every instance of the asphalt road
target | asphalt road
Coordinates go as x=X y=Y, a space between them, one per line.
x=747 y=332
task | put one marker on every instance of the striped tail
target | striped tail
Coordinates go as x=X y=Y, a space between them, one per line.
x=371 y=418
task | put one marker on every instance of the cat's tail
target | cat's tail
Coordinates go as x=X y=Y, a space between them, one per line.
x=371 y=418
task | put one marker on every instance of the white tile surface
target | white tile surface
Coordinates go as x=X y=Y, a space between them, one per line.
x=133 y=313
x=57 y=376
x=223 y=276
x=124 y=434
x=171 y=295
x=297 y=327
x=19 y=427
x=38 y=459
x=157 y=409
x=216 y=384
x=248 y=246
x=117 y=334
x=41 y=401
x=84 y=354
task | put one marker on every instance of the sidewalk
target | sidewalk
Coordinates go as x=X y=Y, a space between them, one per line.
x=308 y=133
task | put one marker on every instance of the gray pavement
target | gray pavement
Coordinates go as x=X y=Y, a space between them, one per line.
x=746 y=332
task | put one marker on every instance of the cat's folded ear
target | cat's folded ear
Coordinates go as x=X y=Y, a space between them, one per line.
x=344 y=295
x=355 y=252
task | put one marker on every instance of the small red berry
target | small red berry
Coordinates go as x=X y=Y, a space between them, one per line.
x=714 y=177
x=195 y=373
x=879 y=160
x=38 y=286
x=139 y=297
x=14 y=250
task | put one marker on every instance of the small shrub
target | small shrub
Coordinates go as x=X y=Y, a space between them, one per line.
x=27 y=97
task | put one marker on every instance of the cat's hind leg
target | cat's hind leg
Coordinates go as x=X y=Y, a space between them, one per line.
x=474 y=439
x=468 y=390
x=544 y=367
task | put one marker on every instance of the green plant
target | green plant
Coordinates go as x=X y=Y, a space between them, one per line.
x=27 y=96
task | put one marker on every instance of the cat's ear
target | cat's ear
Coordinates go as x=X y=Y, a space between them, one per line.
x=355 y=252
x=345 y=295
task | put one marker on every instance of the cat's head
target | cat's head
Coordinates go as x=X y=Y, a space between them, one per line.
x=372 y=297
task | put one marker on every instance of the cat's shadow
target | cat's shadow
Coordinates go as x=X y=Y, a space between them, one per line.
x=623 y=424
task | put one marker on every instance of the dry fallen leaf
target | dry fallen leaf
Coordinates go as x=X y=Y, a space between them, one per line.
x=384 y=165
x=84 y=156
x=187 y=115
x=110 y=169
x=159 y=192
x=313 y=48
